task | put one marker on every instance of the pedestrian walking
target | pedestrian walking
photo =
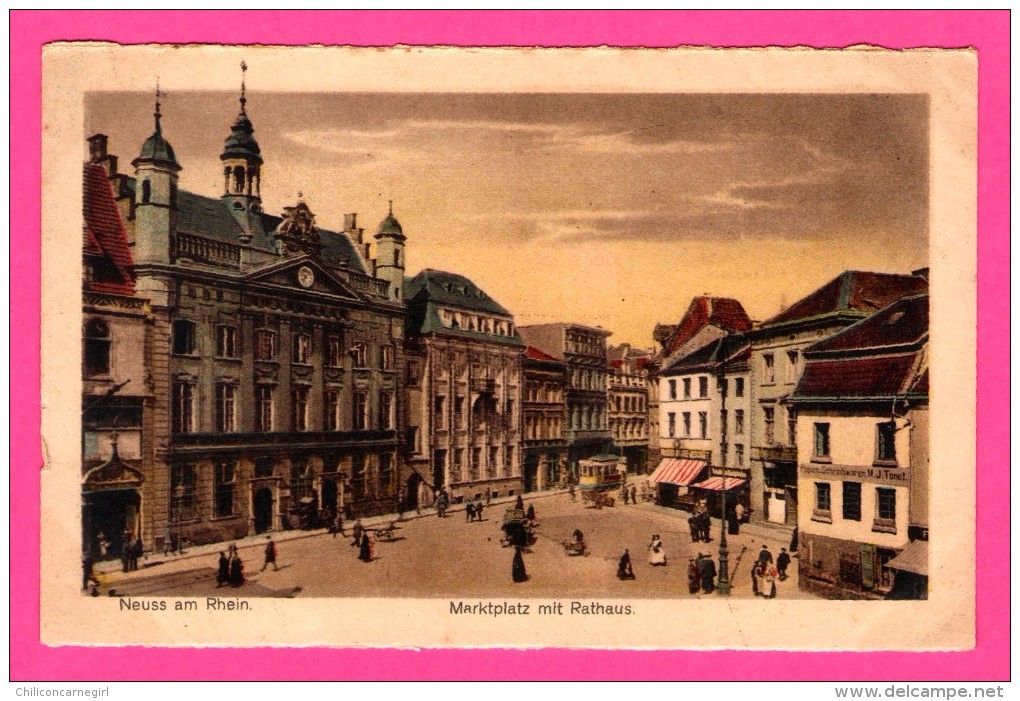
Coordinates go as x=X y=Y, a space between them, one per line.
x=358 y=531
x=793 y=540
x=755 y=576
x=531 y=512
x=270 y=555
x=236 y=570
x=708 y=573
x=693 y=576
x=223 y=570
x=692 y=522
x=571 y=492
x=782 y=562
x=626 y=496
x=488 y=495
x=769 y=589
x=478 y=510
x=365 y=553
x=633 y=494
x=519 y=504
x=137 y=549
x=338 y=524
x=469 y=511
x=764 y=556
x=625 y=570
x=517 y=571
x=656 y=553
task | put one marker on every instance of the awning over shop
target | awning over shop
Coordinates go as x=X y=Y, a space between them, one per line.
x=720 y=483
x=914 y=558
x=677 y=471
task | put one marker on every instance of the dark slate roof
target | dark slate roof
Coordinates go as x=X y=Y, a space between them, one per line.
x=903 y=322
x=852 y=291
x=211 y=217
x=451 y=289
x=156 y=148
x=734 y=348
x=881 y=376
x=104 y=234
x=390 y=225
x=723 y=312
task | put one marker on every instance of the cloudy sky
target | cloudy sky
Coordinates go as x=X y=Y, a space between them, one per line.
x=609 y=210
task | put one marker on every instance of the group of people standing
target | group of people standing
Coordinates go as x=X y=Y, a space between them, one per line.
x=473 y=510
x=764 y=574
x=130 y=551
x=230 y=569
x=363 y=542
x=701 y=574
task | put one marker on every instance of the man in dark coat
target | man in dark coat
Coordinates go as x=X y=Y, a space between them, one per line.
x=695 y=529
x=365 y=554
x=469 y=511
x=531 y=512
x=270 y=553
x=707 y=574
x=222 y=570
x=626 y=496
x=358 y=531
x=236 y=571
x=625 y=570
x=693 y=577
x=519 y=504
x=782 y=562
x=764 y=557
x=518 y=572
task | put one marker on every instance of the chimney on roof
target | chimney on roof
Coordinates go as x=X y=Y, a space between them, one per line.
x=351 y=228
x=366 y=245
x=99 y=156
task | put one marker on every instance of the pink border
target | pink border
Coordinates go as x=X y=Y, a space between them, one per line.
x=988 y=31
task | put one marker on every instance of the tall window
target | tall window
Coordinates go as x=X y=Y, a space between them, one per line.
x=223 y=490
x=299 y=408
x=146 y=191
x=724 y=386
x=821 y=440
x=335 y=352
x=359 y=352
x=97 y=348
x=823 y=500
x=333 y=410
x=358 y=475
x=387 y=486
x=792 y=359
x=703 y=423
x=769 y=371
x=885 y=510
x=458 y=412
x=458 y=465
x=738 y=422
x=226 y=342
x=886 y=448
x=360 y=411
x=738 y=453
x=183 y=480
x=300 y=479
x=687 y=388
x=671 y=417
x=263 y=408
x=738 y=390
x=439 y=406
x=386 y=357
x=852 y=501
x=687 y=423
x=184 y=337
x=476 y=463
x=265 y=345
x=770 y=425
x=509 y=460
x=672 y=389
x=702 y=387
x=791 y=426
x=386 y=409
x=301 y=348
x=226 y=415
x=183 y=407
x=493 y=461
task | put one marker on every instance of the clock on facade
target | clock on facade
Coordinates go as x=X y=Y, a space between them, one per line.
x=305 y=276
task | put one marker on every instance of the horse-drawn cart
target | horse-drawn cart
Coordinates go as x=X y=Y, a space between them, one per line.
x=596 y=499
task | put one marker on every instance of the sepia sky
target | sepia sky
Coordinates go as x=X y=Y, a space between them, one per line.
x=603 y=209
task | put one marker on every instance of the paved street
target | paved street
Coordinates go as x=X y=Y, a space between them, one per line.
x=448 y=558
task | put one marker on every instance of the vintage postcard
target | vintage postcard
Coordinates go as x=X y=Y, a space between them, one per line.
x=440 y=347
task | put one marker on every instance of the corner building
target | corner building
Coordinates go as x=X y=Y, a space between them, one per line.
x=274 y=351
x=463 y=391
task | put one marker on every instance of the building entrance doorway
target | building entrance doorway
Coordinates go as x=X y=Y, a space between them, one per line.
x=110 y=517
x=412 y=491
x=329 y=496
x=262 y=507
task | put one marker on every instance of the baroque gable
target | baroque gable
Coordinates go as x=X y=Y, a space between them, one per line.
x=303 y=274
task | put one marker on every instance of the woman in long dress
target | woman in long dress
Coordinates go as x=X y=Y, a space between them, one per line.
x=236 y=571
x=366 y=548
x=518 y=572
x=656 y=553
x=223 y=571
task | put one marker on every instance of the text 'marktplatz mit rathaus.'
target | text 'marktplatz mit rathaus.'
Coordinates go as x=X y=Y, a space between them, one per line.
x=249 y=373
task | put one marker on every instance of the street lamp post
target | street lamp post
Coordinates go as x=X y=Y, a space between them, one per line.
x=723 y=587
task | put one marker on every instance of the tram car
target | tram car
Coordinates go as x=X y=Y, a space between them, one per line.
x=600 y=475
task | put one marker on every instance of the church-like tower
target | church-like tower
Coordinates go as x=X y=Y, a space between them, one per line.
x=390 y=255
x=156 y=170
x=242 y=171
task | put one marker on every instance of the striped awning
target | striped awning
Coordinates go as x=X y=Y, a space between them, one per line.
x=677 y=471
x=720 y=483
x=914 y=558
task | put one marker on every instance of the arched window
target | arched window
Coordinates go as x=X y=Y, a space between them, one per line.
x=146 y=191
x=97 y=347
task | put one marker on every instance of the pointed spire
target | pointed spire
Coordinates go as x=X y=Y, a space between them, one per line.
x=391 y=208
x=156 y=114
x=244 y=69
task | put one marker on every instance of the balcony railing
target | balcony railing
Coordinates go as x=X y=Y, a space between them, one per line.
x=774 y=453
x=203 y=250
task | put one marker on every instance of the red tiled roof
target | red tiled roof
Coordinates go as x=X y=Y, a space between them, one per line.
x=104 y=233
x=902 y=322
x=858 y=377
x=853 y=290
x=723 y=312
x=536 y=354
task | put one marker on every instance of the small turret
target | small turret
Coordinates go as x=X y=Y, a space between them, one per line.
x=156 y=170
x=242 y=171
x=390 y=254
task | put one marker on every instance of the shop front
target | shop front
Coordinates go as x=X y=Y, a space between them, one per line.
x=672 y=479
